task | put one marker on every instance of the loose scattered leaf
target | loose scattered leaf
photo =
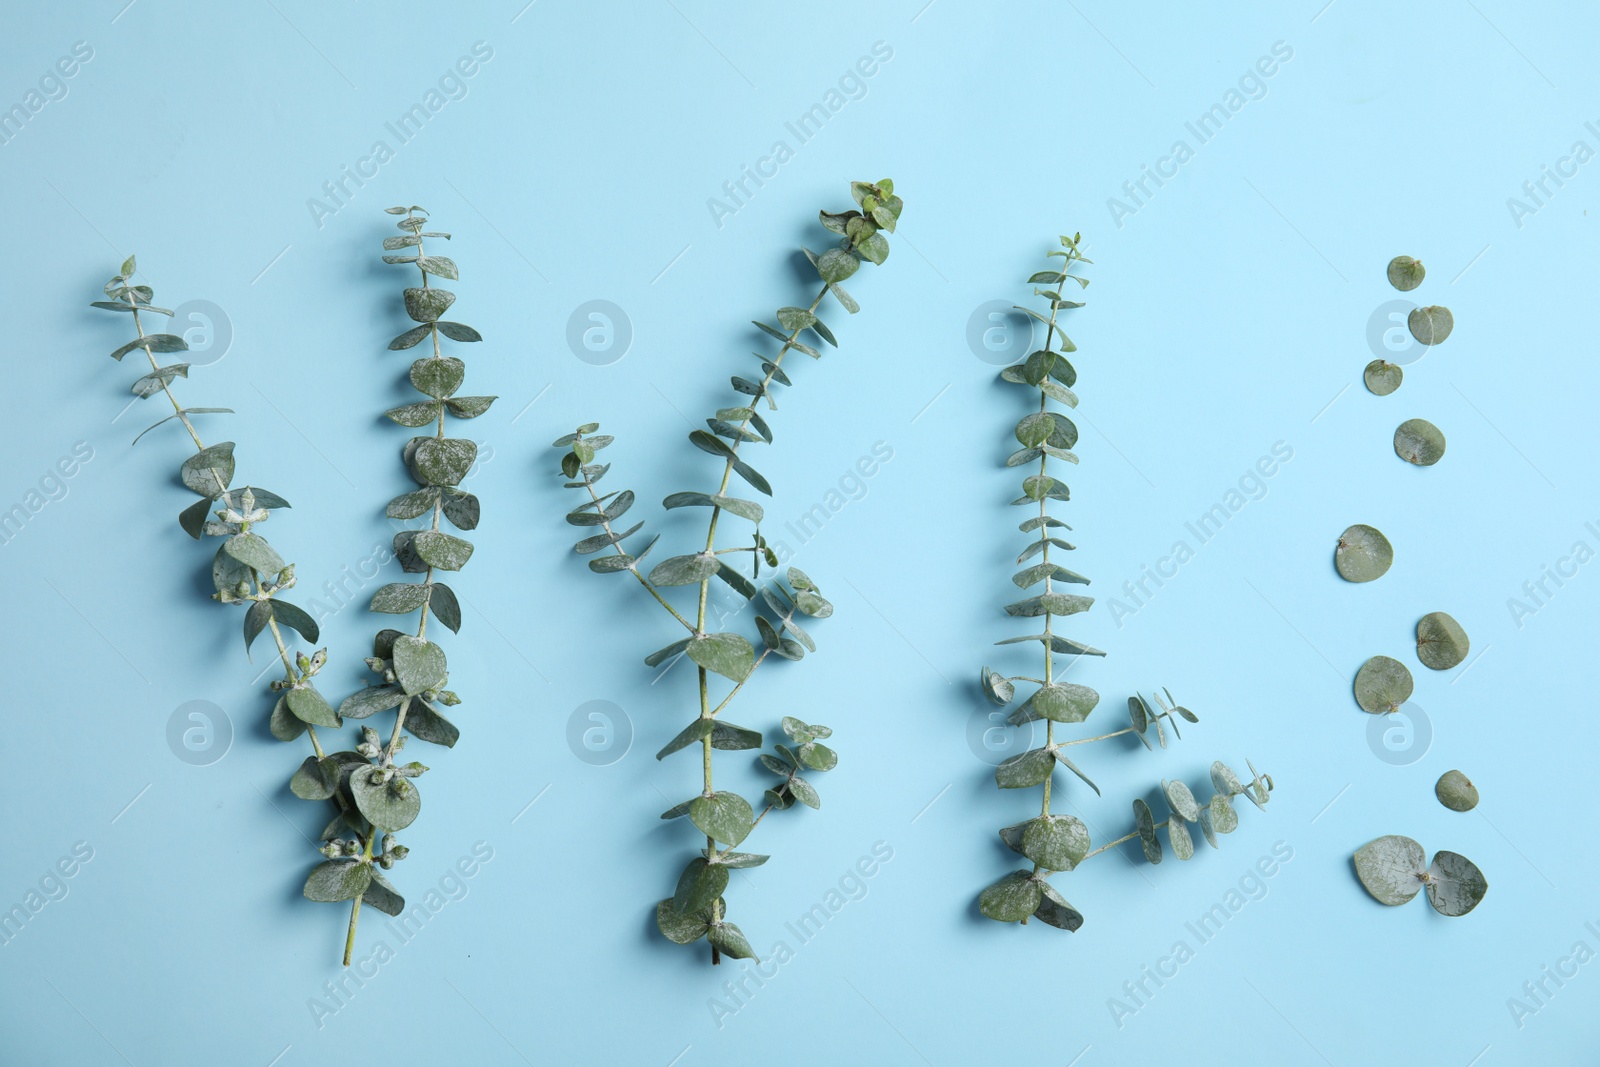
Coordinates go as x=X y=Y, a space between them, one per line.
x=1456 y=791
x=1382 y=685
x=1362 y=554
x=1392 y=868
x=1441 y=642
x=1419 y=442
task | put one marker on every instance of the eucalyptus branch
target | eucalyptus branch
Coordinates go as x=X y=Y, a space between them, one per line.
x=696 y=909
x=246 y=568
x=1055 y=843
x=380 y=794
x=1024 y=894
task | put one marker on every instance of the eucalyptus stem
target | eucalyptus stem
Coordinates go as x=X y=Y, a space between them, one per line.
x=724 y=820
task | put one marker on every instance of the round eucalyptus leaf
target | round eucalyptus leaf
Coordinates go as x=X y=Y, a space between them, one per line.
x=1178 y=834
x=1419 y=442
x=1382 y=377
x=1455 y=885
x=391 y=805
x=698 y=885
x=1035 y=429
x=337 y=880
x=1362 y=554
x=722 y=816
x=1224 y=781
x=1456 y=791
x=730 y=941
x=1441 y=642
x=997 y=687
x=1011 y=899
x=1392 y=868
x=1405 y=273
x=681 y=928
x=1065 y=702
x=1055 y=842
x=1430 y=325
x=1147 y=830
x=1138 y=717
x=1382 y=685
x=1181 y=799
x=1054 y=910
x=1221 y=816
x=1206 y=827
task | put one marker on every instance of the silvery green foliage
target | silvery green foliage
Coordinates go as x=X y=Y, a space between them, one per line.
x=246 y=569
x=1394 y=869
x=1061 y=843
x=376 y=793
x=697 y=908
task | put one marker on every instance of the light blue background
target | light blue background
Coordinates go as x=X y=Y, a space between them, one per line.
x=1230 y=312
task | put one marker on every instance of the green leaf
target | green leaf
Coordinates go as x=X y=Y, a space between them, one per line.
x=418 y=664
x=1055 y=911
x=392 y=805
x=728 y=654
x=1405 y=273
x=158 y=380
x=1040 y=571
x=469 y=407
x=1146 y=827
x=1181 y=799
x=410 y=339
x=816 y=756
x=1419 y=442
x=802 y=791
x=255 y=620
x=1456 y=791
x=1455 y=885
x=296 y=619
x=1061 y=758
x=1441 y=642
x=438 y=376
x=1224 y=781
x=1011 y=899
x=383 y=896
x=1055 y=842
x=695 y=732
x=399 y=598
x=309 y=706
x=1035 y=429
x=283 y=723
x=684 y=570
x=1025 y=770
x=1430 y=325
x=426 y=305
x=1362 y=554
x=1178 y=834
x=445 y=607
x=739 y=860
x=442 y=460
x=1065 y=702
x=1382 y=377
x=414 y=415
x=1392 y=868
x=661 y=655
x=1382 y=685
x=193 y=518
x=1224 y=819
x=680 y=928
x=730 y=941
x=441 y=550
x=835 y=265
x=442 y=266
x=745 y=509
x=699 y=885
x=423 y=721
x=316 y=779
x=336 y=880
x=461 y=509
x=794 y=319
x=410 y=505
x=371 y=700
x=722 y=816
x=209 y=470
x=997 y=688
x=459 y=331
x=253 y=551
